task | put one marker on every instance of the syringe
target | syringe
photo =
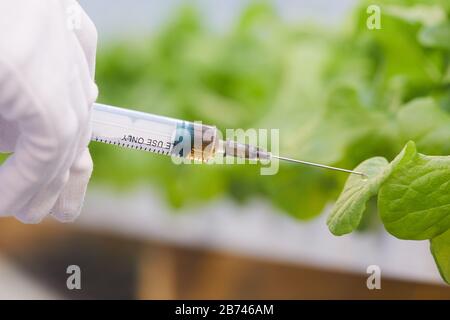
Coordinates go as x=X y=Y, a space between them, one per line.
x=163 y=135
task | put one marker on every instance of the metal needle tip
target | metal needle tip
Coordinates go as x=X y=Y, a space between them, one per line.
x=321 y=166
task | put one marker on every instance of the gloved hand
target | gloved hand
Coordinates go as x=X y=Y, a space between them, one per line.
x=47 y=62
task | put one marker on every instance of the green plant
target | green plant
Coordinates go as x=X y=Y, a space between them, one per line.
x=414 y=189
x=413 y=200
x=338 y=96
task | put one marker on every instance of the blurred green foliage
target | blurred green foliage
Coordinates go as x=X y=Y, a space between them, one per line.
x=337 y=96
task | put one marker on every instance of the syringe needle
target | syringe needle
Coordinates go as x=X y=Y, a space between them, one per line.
x=320 y=165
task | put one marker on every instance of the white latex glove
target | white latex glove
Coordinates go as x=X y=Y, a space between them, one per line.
x=47 y=62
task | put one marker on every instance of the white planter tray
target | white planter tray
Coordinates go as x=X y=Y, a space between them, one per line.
x=256 y=230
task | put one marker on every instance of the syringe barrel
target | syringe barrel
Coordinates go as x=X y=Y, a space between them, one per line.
x=163 y=135
x=153 y=133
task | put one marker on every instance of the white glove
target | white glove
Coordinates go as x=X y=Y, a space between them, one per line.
x=47 y=62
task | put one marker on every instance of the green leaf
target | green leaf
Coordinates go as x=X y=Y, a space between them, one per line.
x=300 y=95
x=428 y=125
x=436 y=36
x=343 y=121
x=414 y=201
x=440 y=248
x=351 y=204
x=424 y=14
x=3 y=157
